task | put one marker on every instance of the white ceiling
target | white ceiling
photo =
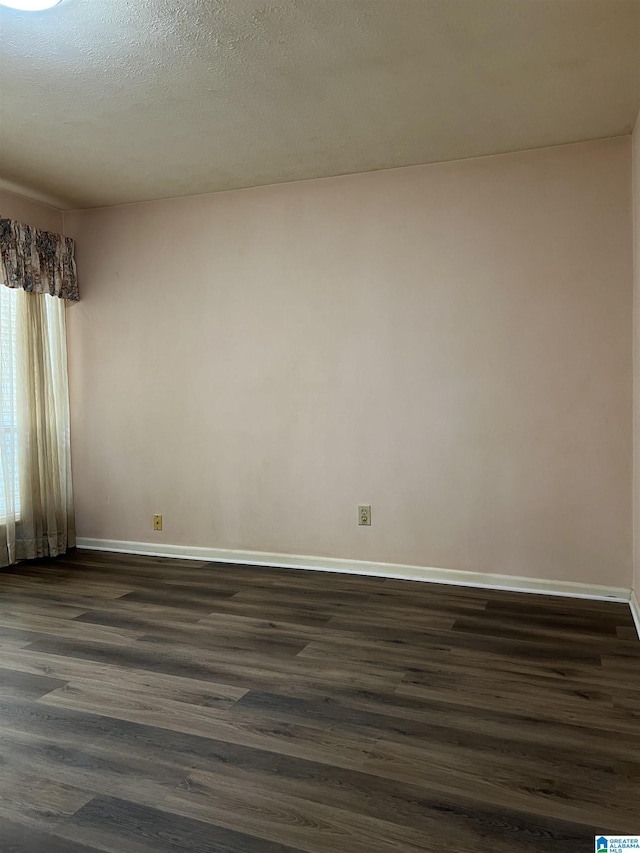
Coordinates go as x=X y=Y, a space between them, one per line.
x=111 y=101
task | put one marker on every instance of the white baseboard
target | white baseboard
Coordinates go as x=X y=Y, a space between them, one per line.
x=453 y=577
x=635 y=611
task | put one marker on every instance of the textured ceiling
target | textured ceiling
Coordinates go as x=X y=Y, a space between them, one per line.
x=111 y=101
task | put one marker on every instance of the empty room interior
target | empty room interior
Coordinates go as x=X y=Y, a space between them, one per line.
x=320 y=438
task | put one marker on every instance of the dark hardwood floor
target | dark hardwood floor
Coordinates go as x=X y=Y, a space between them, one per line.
x=156 y=706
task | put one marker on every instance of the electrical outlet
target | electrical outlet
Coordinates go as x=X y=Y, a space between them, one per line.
x=157 y=522
x=364 y=515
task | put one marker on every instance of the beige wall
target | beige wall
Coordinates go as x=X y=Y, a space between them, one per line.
x=636 y=355
x=30 y=212
x=449 y=343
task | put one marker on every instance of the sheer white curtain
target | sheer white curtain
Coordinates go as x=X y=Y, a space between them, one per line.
x=36 y=502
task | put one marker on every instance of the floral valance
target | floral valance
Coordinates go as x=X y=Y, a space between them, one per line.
x=37 y=261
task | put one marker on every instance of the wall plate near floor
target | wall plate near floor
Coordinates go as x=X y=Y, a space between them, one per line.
x=364 y=515
x=157 y=522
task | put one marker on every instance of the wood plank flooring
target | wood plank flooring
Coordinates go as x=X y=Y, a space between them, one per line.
x=157 y=706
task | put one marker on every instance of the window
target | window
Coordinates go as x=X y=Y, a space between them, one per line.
x=8 y=401
x=36 y=508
